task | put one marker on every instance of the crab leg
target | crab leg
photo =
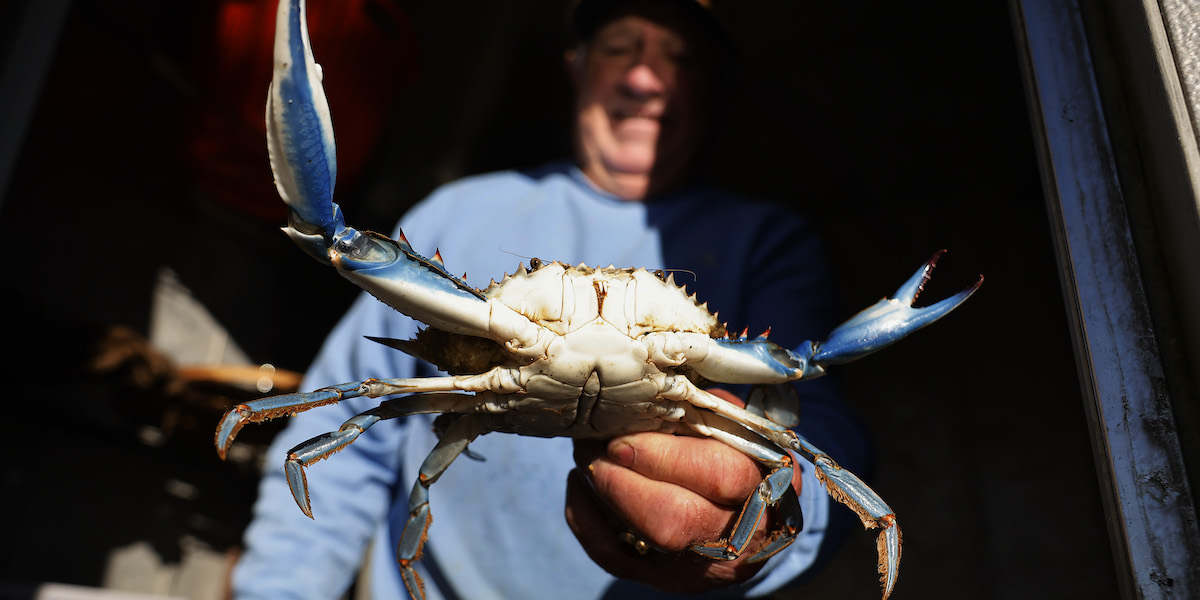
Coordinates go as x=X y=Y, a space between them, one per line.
x=774 y=487
x=791 y=521
x=453 y=442
x=778 y=402
x=266 y=409
x=326 y=444
x=847 y=488
x=499 y=379
x=842 y=485
x=300 y=142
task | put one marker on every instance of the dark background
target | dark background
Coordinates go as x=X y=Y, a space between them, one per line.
x=899 y=128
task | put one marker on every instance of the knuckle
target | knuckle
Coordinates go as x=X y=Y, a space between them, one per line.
x=732 y=476
x=682 y=521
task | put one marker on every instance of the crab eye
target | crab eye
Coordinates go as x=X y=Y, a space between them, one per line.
x=535 y=264
x=660 y=274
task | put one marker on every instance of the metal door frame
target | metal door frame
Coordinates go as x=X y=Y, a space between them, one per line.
x=1123 y=248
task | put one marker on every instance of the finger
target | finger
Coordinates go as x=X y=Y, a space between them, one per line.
x=681 y=572
x=593 y=527
x=707 y=467
x=670 y=517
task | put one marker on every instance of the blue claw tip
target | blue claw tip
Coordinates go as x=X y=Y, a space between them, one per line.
x=912 y=288
x=888 y=320
x=298 y=483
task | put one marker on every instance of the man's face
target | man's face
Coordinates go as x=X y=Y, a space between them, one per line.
x=643 y=87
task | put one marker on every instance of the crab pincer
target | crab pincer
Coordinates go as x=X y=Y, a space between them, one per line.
x=889 y=320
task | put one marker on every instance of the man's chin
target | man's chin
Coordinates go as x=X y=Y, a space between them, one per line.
x=631 y=164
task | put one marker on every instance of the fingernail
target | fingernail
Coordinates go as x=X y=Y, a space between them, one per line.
x=622 y=453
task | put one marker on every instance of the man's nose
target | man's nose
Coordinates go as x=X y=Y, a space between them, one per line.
x=644 y=80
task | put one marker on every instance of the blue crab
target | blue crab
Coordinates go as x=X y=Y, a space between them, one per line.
x=555 y=349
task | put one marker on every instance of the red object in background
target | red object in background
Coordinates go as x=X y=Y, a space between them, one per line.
x=368 y=52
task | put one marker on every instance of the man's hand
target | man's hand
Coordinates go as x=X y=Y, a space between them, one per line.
x=671 y=491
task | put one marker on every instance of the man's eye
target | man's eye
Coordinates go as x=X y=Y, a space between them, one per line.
x=616 y=50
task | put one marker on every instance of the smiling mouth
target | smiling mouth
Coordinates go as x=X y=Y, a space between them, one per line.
x=651 y=115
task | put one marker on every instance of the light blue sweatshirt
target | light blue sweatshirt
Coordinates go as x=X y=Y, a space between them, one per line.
x=498 y=528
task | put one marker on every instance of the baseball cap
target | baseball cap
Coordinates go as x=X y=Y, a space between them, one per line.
x=588 y=16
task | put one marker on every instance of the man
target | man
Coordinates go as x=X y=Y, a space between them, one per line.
x=645 y=74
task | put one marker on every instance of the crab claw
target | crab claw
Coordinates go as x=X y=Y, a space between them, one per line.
x=888 y=320
x=300 y=136
x=300 y=141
